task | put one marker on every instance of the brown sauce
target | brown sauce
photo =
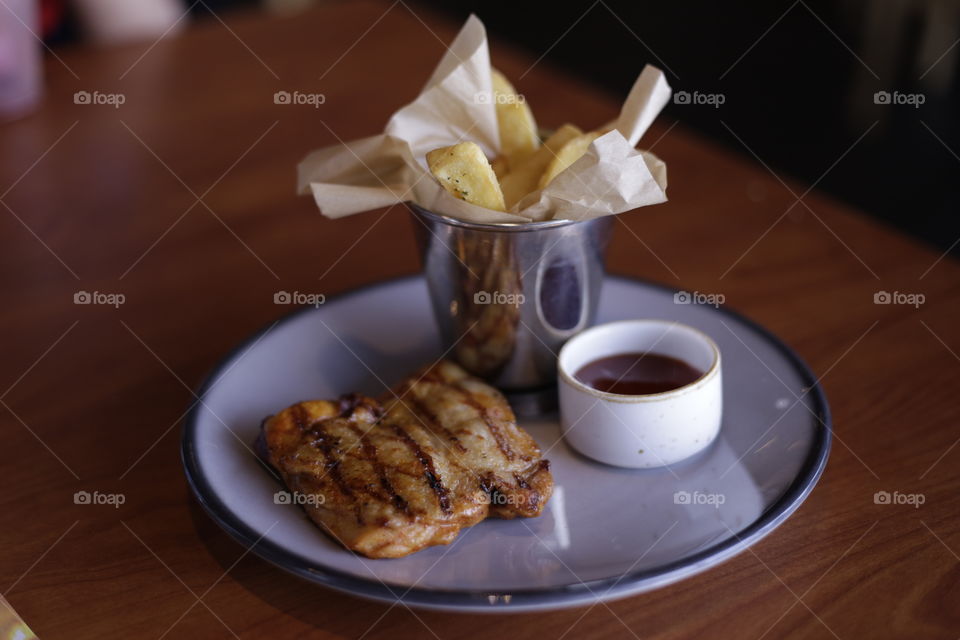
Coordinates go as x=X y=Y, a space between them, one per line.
x=637 y=374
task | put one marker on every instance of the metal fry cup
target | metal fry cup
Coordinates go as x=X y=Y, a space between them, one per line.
x=507 y=296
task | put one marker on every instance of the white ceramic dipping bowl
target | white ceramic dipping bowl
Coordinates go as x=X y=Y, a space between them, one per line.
x=641 y=431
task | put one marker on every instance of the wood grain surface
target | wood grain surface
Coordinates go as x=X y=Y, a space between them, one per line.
x=182 y=199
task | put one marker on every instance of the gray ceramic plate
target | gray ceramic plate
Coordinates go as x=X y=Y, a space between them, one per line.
x=606 y=533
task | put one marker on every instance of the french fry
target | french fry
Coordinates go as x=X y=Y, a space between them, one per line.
x=518 y=129
x=464 y=171
x=524 y=178
x=567 y=155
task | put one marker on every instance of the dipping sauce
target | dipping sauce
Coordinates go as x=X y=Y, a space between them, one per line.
x=632 y=374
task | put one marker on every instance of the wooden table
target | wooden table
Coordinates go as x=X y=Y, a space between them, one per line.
x=182 y=199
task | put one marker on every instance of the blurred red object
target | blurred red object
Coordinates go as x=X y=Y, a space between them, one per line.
x=52 y=13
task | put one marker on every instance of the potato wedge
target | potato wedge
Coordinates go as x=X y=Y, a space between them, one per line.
x=464 y=171
x=500 y=166
x=518 y=129
x=567 y=155
x=524 y=177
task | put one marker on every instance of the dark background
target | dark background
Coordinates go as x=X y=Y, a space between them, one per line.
x=798 y=79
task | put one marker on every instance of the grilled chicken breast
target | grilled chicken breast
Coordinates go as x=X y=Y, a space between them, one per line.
x=390 y=476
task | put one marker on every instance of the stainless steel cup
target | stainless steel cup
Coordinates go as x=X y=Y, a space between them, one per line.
x=507 y=296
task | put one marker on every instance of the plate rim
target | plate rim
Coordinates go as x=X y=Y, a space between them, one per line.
x=521 y=600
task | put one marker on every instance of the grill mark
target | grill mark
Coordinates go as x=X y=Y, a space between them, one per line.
x=322 y=442
x=492 y=426
x=392 y=468
x=429 y=471
x=530 y=472
x=488 y=482
x=520 y=481
x=422 y=410
x=333 y=457
x=348 y=404
x=370 y=455
x=435 y=377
